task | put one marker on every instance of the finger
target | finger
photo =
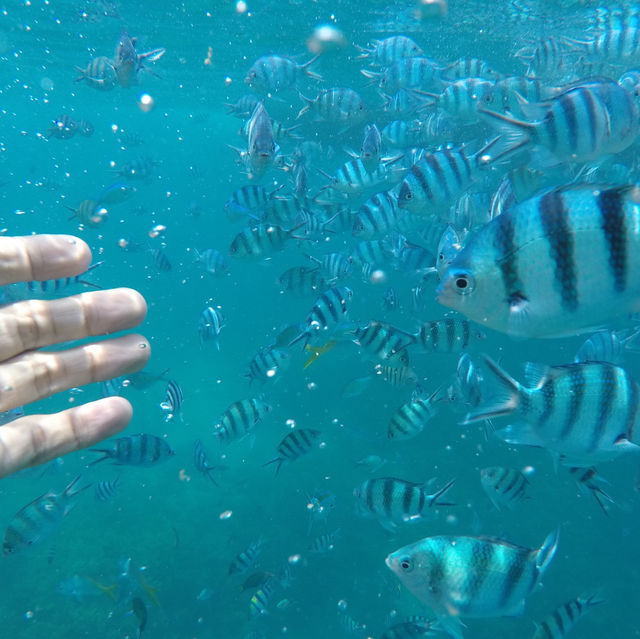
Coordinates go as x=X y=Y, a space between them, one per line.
x=38 y=374
x=32 y=324
x=42 y=257
x=38 y=438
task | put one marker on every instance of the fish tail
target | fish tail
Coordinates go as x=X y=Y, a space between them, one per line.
x=70 y=491
x=105 y=455
x=305 y=335
x=277 y=460
x=434 y=500
x=505 y=402
x=517 y=133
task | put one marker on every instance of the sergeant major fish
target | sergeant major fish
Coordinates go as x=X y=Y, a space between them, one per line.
x=39 y=518
x=556 y=264
x=135 y=450
x=395 y=501
x=471 y=576
x=583 y=413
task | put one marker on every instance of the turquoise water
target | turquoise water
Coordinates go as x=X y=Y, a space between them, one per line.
x=167 y=518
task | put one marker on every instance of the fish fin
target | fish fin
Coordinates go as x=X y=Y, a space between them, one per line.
x=536 y=374
x=389 y=526
x=504 y=403
x=545 y=553
x=433 y=500
x=521 y=433
x=277 y=460
x=513 y=130
x=105 y=455
x=306 y=335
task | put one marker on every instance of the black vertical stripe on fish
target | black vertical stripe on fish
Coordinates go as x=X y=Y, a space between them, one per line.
x=513 y=577
x=632 y=404
x=466 y=333
x=611 y=206
x=441 y=178
x=369 y=496
x=576 y=395
x=407 y=499
x=551 y=129
x=482 y=554
x=559 y=621
x=434 y=335
x=454 y=165
x=547 y=631
x=387 y=496
x=590 y=105
x=569 y=109
x=507 y=256
x=451 y=333
x=549 y=395
x=554 y=220
x=607 y=392
x=417 y=172
x=569 y=608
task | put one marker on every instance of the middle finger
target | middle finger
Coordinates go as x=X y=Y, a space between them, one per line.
x=35 y=323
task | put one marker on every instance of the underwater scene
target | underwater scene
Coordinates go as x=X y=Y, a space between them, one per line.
x=391 y=255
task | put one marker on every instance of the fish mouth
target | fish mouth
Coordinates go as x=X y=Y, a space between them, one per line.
x=388 y=562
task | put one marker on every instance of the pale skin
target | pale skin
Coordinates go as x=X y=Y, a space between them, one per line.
x=28 y=374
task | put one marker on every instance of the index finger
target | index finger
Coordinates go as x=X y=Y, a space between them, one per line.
x=42 y=257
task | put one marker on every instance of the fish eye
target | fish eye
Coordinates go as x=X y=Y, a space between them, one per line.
x=406 y=564
x=463 y=282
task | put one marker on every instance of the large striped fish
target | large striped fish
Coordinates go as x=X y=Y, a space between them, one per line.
x=471 y=576
x=556 y=264
x=585 y=413
x=583 y=122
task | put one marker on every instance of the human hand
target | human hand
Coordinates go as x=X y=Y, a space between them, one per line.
x=27 y=375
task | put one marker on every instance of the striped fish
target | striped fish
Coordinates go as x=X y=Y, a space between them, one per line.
x=381 y=341
x=295 y=444
x=416 y=72
x=582 y=123
x=100 y=74
x=377 y=217
x=210 y=324
x=385 y=52
x=371 y=147
x=440 y=177
x=266 y=364
x=324 y=543
x=556 y=264
x=583 y=413
x=303 y=280
x=173 y=400
x=353 y=179
x=450 y=335
x=135 y=450
x=240 y=418
x=607 y=346
x=395 y=501
x=258 y=605
x=471 y=576
x=39 y=519
x=261 y=240
x=213 y=261
x=327 y=313
x=246 y=559
x=107 y=489
x=201 y=461
x=340 y=105
x=468 y=68
x=273 y=73
x=160 y=260
x=504 y=486
x=53 y=286
x=334 y=266
x=460 y=99
x=562 y=620
x=411 y=418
